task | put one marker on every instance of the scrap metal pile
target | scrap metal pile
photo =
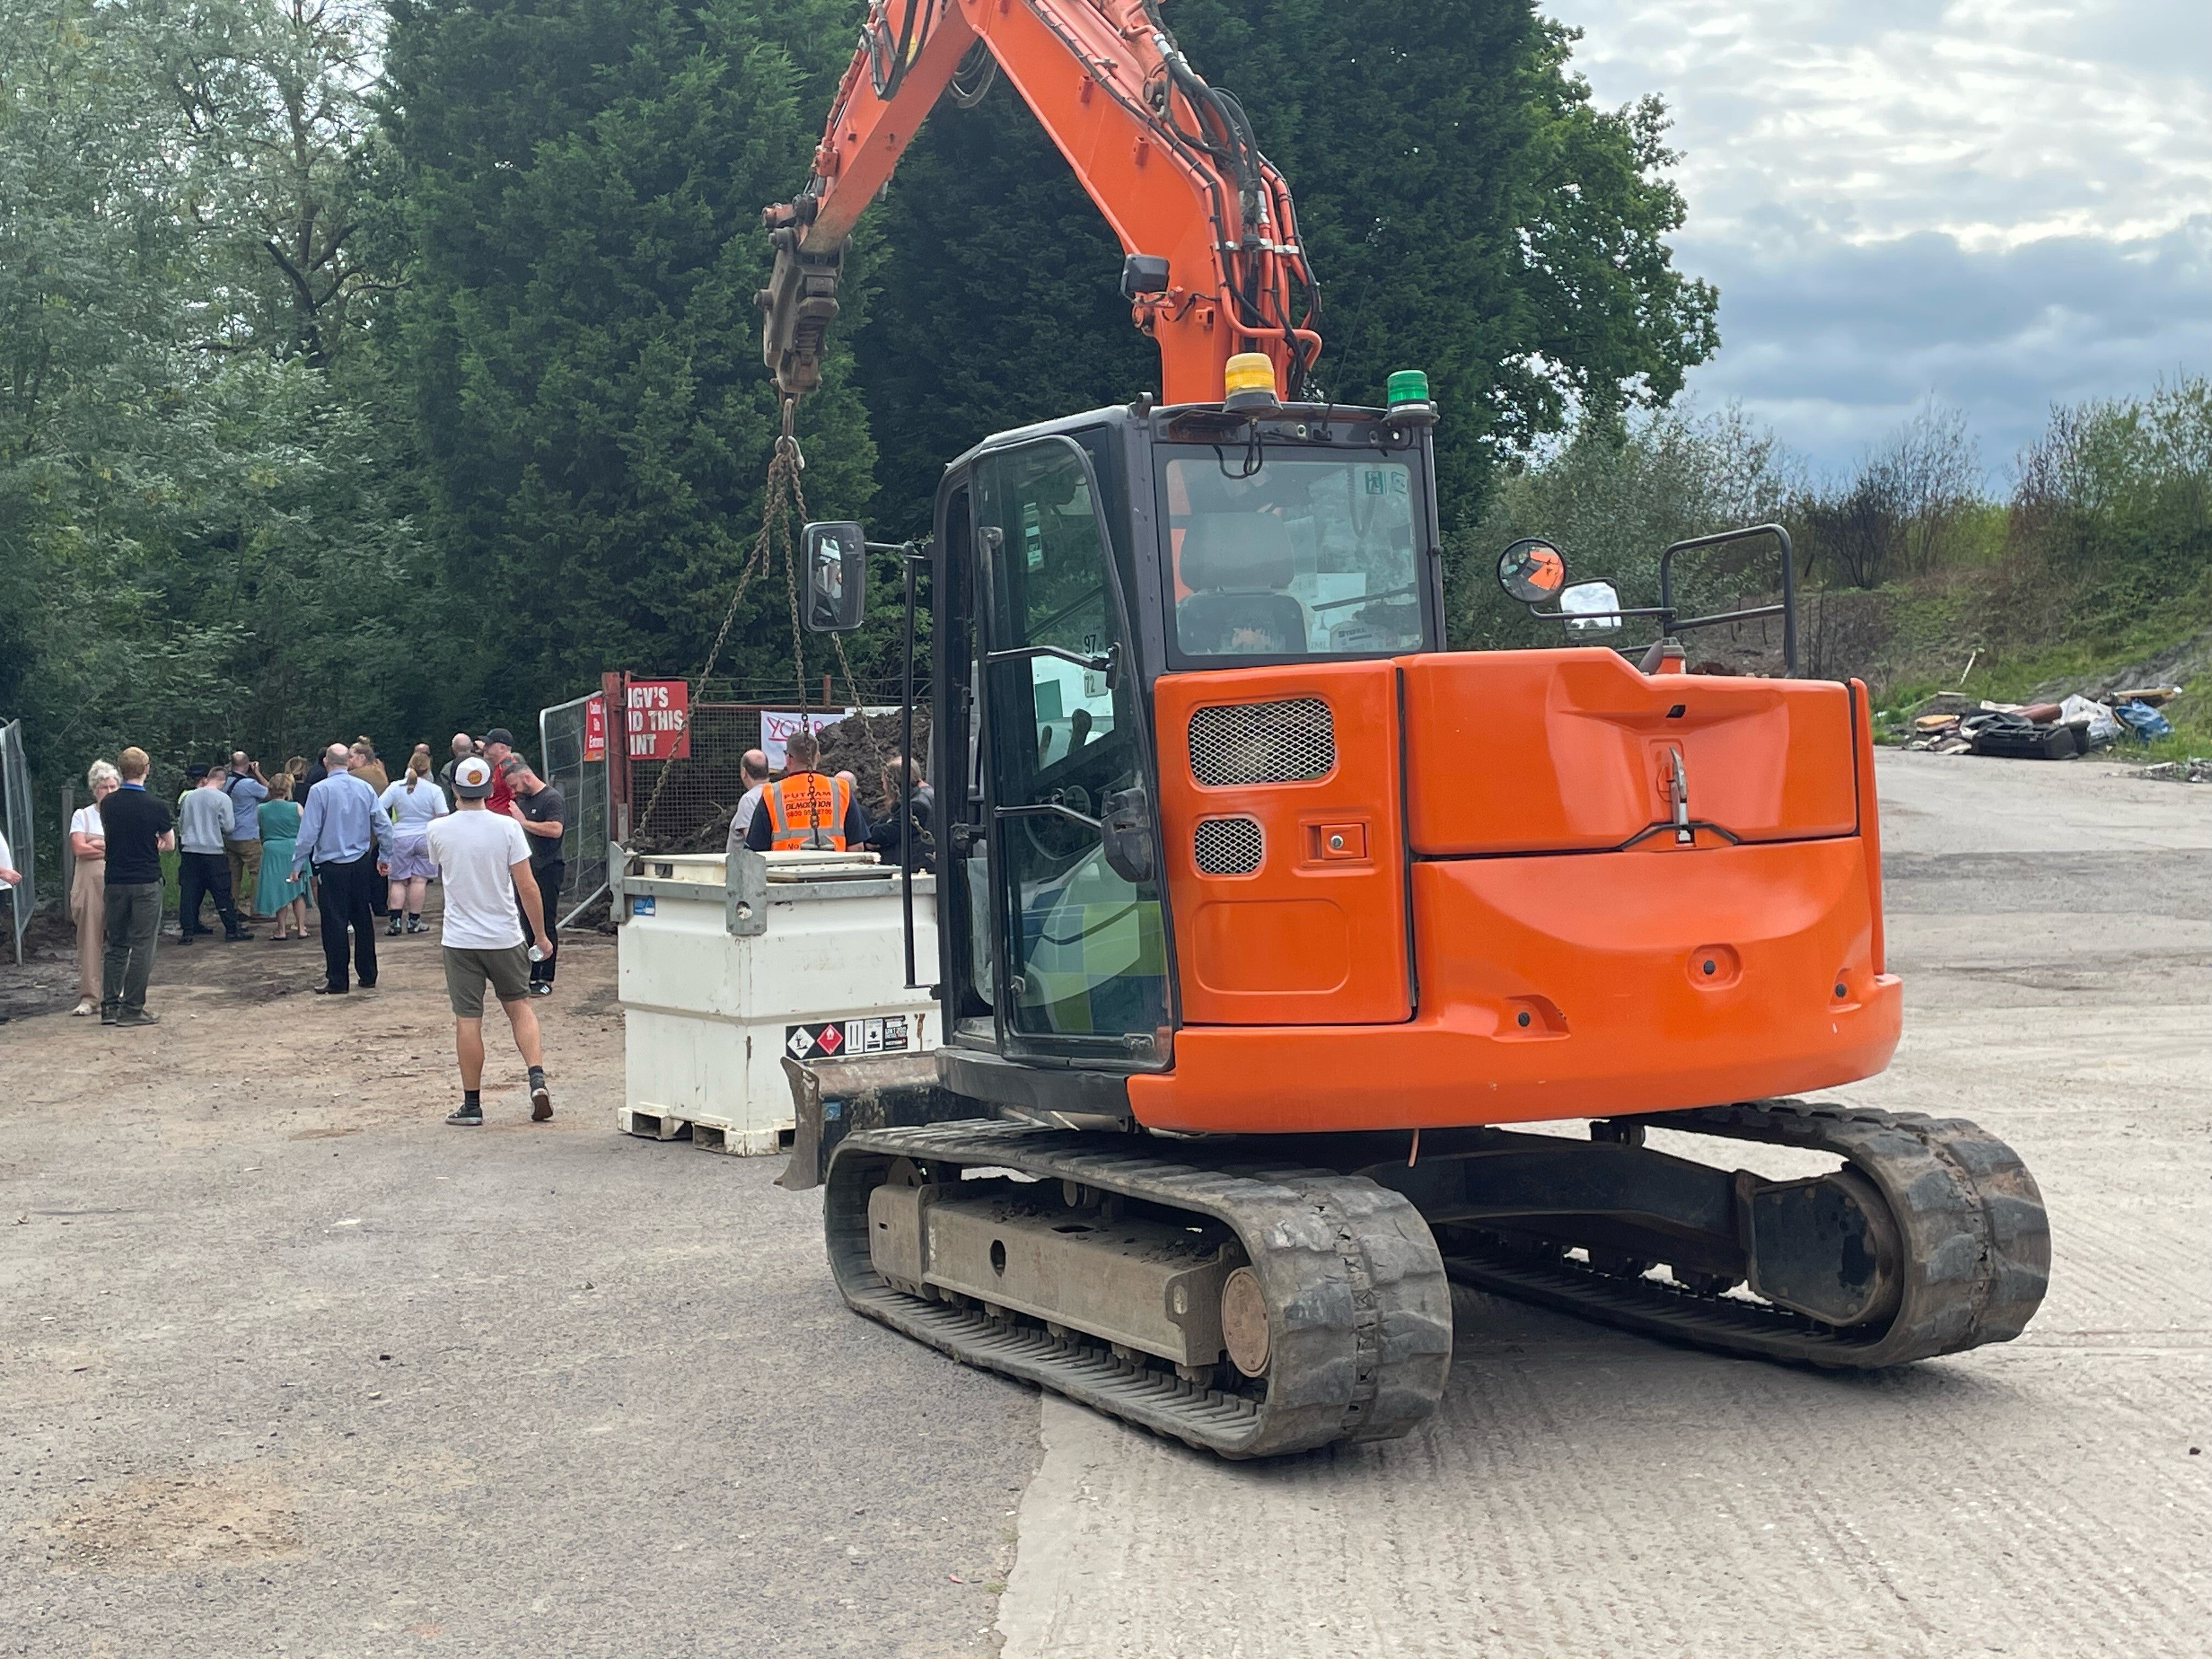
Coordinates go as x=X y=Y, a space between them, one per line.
x=1951 y=724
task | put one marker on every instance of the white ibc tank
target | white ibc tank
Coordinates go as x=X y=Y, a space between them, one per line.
x=727 y=964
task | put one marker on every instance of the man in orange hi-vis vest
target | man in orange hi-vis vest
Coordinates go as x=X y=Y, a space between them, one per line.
x=806 y=809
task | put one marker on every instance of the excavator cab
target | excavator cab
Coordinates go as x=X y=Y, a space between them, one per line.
x=1075 y=564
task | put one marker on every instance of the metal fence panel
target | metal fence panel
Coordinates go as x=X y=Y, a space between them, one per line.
x=697 y=795
x=685 y=805
x=21 y=830
x=583 y=785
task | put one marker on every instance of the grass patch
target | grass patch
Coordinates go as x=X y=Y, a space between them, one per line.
x=2191 y=739
x=2011 y=675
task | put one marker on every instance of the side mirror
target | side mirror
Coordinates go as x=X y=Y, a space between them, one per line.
x=1586 y=605
x=1532 y=570
x=836 y=578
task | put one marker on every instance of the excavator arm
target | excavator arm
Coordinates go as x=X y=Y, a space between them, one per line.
x=1213 y=264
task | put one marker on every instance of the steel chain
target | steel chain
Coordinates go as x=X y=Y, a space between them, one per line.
x=783 y=495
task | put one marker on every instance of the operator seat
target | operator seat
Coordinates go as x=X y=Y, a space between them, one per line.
x=1237 y=566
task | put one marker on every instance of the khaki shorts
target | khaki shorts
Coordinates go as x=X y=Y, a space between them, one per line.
x=466 y=970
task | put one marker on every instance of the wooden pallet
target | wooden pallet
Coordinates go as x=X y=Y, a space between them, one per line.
x=650 y=1126
x=739 y=1143
x=708 y=1134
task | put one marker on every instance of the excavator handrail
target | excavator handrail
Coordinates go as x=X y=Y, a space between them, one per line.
x=1787 y=609
x=1171 y=162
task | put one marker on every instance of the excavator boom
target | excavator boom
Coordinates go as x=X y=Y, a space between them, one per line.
x=1214 y=266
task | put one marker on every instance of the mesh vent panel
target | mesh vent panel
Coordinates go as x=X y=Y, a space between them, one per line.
x=1228 y=847
x=1245 y=743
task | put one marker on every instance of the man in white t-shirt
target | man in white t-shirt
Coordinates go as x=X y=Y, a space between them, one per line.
x=484 y=862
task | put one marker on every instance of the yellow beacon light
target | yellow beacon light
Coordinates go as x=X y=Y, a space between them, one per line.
x=1249 y=383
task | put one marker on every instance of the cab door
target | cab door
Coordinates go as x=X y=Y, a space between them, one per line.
x=1081 y=958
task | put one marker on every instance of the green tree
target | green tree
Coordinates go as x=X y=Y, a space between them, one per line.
x=1912 y=501
x=274 y=134
x=2113 y=507
x=198 y=543
x=1467 y=210
x=582 y=183
x=999 y=301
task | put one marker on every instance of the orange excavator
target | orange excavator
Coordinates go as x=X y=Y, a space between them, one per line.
x=1260 y=911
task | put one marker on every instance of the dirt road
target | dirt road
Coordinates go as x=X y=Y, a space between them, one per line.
x=287 y=1366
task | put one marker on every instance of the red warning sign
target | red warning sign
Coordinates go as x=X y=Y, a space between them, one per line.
x=595 y=727
x=659 y=719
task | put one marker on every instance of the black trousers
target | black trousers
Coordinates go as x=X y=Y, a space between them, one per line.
x=204 y=876
x=346 y=896
x=550 y=878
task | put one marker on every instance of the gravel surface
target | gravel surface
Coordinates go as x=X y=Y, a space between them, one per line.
x=288 y=1366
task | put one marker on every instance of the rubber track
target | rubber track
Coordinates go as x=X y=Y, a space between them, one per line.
x=1975 y=1244
x=1360 y=1308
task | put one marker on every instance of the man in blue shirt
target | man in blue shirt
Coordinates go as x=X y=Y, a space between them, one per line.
x=348 y=838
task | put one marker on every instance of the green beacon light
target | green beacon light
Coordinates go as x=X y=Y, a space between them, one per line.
x=1407 y=392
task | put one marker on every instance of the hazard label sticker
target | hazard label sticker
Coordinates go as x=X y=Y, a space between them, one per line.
x=827 y=1039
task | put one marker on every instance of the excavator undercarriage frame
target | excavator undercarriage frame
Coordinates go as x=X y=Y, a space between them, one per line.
x=1258 y=1296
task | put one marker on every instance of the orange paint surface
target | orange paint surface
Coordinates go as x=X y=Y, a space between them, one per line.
x=1317 y=933
x=1087 y=69
x=1547 y=750
x=1605 y=953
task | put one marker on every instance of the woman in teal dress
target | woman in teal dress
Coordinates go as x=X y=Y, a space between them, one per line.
x=276 y=893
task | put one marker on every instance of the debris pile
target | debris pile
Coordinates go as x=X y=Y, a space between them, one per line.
x=1950 y=724
x=2197 y=768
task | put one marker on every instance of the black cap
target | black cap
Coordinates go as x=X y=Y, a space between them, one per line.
x=499 y=734
x=195 y=773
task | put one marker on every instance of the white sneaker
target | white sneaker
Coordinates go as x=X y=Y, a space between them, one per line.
x=86 y=1006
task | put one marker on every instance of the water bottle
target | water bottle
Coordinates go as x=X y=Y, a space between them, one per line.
x=537 y=955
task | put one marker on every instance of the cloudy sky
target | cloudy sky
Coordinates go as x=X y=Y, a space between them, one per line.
x=2005 y=204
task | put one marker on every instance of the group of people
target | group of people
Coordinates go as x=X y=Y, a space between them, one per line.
x=339 y=834
x=486 y=826
x=810 y=809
